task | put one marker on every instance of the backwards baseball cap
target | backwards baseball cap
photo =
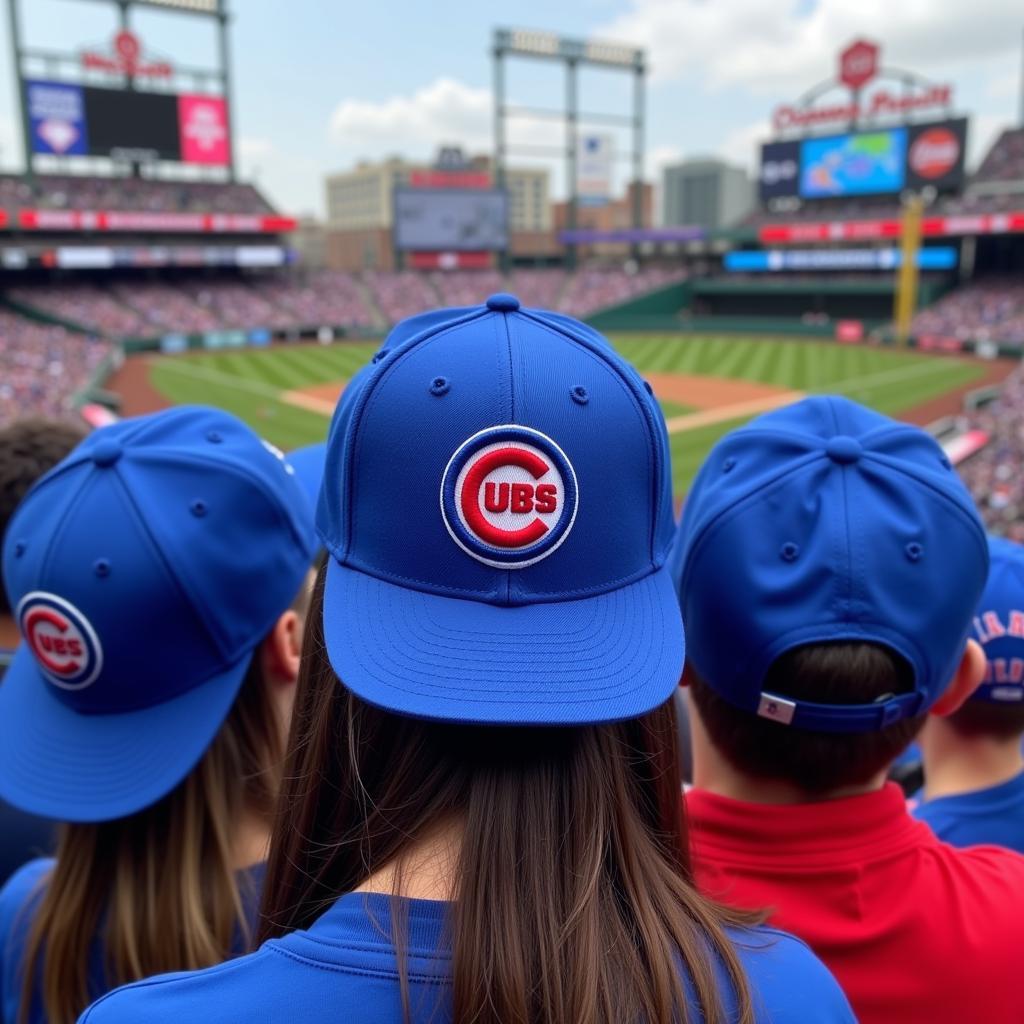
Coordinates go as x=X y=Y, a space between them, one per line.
x=497 y=506
x=999 y=625
x=825 y=522
x=144 y=570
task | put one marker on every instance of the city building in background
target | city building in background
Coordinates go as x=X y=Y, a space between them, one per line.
x=705 y=192
x=361 y=212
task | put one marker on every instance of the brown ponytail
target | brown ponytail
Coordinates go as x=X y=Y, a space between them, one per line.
x=573 y=893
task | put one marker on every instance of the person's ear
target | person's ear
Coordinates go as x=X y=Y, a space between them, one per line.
x=282 y=648
x=966 y=680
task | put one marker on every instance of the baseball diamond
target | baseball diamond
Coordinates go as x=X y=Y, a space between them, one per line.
x=707 y=384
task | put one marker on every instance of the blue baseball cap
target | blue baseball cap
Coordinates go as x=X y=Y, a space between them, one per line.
x=821 y=522
x=144 y=571
x=999 y=625
x=497 y=505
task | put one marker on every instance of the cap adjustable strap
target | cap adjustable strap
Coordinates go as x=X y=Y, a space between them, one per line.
x=839 y=717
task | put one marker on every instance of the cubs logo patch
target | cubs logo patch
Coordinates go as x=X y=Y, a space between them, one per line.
x=509 y=496
x=60 y=637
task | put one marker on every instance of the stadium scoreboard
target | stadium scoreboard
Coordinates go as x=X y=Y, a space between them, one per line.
x=450 y=220
x=67 y=119
x=871 y=162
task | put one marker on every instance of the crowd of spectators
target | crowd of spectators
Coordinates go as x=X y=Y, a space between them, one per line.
x=85 y=305
x=401 y=294
x=591 y=289
x=165 y=308
x=995 y=475
x=991 y=309
x=1005 y=160
x=43 y=366
x=321 y=298
x=74 y=192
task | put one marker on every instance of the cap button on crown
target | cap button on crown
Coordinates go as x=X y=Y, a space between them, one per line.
x=106 y=453
x=502 y=302
x=844 y=450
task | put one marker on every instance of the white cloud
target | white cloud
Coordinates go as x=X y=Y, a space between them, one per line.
x=753 y=43
x=445 y=111
x=742 y=145
x=1005 y=85
x=252 y=150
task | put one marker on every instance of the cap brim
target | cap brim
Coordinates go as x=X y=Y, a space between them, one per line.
x=308 y=464
x=604 y=658
x=60 y=764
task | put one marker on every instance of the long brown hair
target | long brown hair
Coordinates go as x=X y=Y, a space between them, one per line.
x=159 y=887
x=573 y=891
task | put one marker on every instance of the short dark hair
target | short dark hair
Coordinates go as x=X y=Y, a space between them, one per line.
x=28 y=449
x=816 y=762
x=988 y=718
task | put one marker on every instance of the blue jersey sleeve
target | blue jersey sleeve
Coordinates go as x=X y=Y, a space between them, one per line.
x=15 y=921
x=789 y=984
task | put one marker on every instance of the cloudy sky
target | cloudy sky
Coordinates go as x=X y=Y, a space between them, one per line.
x=321 y=83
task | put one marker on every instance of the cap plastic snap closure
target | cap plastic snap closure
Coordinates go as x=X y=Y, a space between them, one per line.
x=106 y=453
x=502 y=302
x=844 y=450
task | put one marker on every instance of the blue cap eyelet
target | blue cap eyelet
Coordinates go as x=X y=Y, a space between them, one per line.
x=648 y=388
x=789 y=551
x=101 y=567
x=382 y=354
x=579 y=394
x=198 y=508
x=214 y=436
x=440 y=386
x=914 y=551
x=728 y=465
x=19 y=548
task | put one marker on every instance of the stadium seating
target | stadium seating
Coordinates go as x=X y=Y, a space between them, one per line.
x=325 y=298
x=1005 y=160
x=43 y=366
x=592 y=289
x=85 y=305
x=988 y=310
x=165 y=308
x=401 y=294
x=66 y=192
x=995 y=475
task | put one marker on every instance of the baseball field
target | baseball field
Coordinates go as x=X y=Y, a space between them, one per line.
x=706 y=384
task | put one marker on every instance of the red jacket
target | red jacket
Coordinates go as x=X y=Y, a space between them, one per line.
x=913 y=929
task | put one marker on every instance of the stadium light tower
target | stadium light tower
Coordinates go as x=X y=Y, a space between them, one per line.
x=127 y=64
x=571 y=53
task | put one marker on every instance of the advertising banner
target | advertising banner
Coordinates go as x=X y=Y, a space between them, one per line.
x=594 y=157
x=56 y=114
x=451 y=220
x=203 y=129
x=939 y=257
x=935 y=154
x=867 y=163
x=780 y=169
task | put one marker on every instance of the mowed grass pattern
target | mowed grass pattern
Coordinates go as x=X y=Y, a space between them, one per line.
x=248 y=382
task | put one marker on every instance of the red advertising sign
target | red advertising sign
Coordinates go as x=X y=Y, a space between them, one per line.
x=450 y=179
x=934 y=153
x=128 y=220
x=203 y=128
x=858 y=63
x=861 y=230
x=449 y=260
x=126 y=58
x=849 y=332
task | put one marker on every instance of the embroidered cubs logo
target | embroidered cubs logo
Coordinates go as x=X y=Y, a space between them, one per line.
x=65 y=645
x=509 y=496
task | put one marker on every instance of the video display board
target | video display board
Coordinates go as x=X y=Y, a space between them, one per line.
x=75 y=120
x=452 y=220
x=876 y=162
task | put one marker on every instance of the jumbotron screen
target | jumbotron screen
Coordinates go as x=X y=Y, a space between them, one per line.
x=84 y=120
x=880 y=161
x=451 y=220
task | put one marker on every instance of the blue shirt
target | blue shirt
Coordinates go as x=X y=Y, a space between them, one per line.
x=18 y=900
x=344 y=969
x=990 y=817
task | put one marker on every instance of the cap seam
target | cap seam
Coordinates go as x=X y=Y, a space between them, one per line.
x=847 y=582
x=368 y=395
x=500 y=322
x=58 y=530
x=417 y=585
x=656 y=466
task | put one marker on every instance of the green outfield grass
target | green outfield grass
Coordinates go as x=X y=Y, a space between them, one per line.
x=248 y=382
